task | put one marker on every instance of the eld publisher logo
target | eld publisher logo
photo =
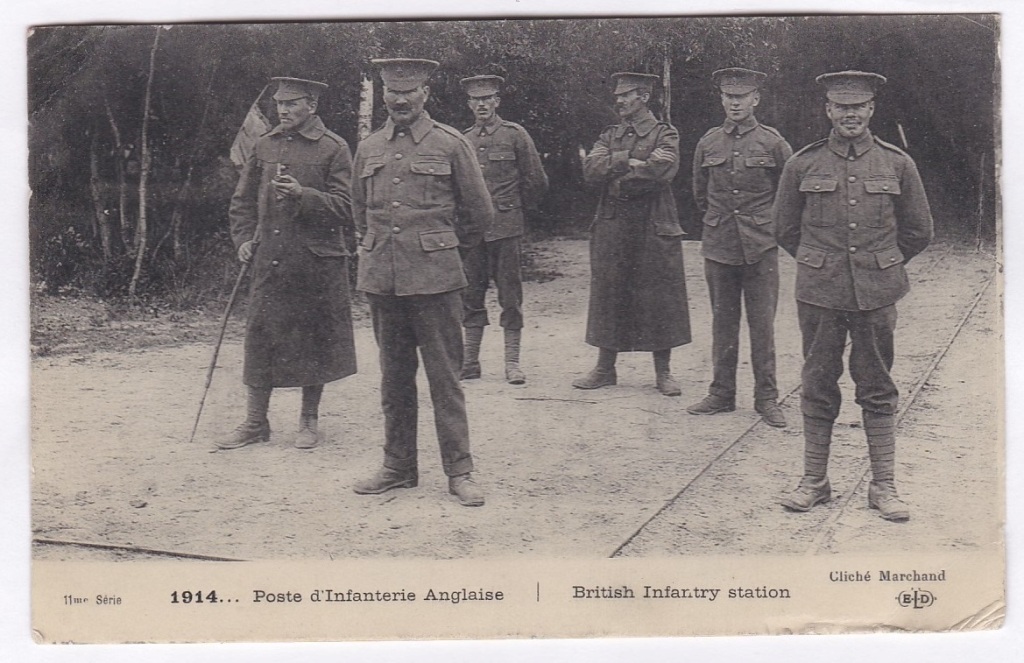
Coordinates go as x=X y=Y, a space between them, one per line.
x=915 y=598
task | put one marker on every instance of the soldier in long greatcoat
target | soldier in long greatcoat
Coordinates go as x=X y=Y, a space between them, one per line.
x=287 y=215
x=637 y=286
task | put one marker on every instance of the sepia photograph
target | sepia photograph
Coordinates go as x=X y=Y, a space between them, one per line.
x=516 y=327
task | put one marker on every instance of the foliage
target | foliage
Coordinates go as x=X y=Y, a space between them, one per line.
x=87 y=86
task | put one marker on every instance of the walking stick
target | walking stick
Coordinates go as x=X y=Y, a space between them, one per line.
x=216 y=348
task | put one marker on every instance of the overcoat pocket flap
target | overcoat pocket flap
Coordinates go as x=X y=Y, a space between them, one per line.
x=370 y=168
x=810 y=256
x=882 y=186
x=712 y=161
x=888 y=257
x=764 y=161
x=818 y=184
x=324 y=249
x=431 y=168
x=712 y=218
x=507 y=203
x=438 y=240
x=501 y=156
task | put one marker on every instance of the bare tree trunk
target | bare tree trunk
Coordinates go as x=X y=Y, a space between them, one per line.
x=122 y=184
x=178 y=215
x=666 y=80
x=140 y=232
x=365 y=122
x=101 y=219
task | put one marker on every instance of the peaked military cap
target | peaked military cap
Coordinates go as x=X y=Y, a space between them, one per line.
x=297 y=88
x=737 y=80
x=631 y=80
x=850 y=87
x=404 y=74
x=482 y=86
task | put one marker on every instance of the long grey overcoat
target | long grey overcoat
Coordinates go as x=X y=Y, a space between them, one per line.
x=300 y=322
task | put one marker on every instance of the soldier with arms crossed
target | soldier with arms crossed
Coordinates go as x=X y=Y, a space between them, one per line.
x=637 y=285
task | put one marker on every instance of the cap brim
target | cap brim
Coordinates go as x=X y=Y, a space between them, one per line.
x=737 y=89
x=403 y=86
x=849 y=97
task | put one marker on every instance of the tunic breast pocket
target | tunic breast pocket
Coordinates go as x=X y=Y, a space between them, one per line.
x=815 y=189
x=880 y=196
x=374 y=192
x=756 y=175
x=433 y=181
x=502 y=164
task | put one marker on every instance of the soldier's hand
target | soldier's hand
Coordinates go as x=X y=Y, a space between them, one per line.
x=286 y=186
x=636 y=162
x=245 y=251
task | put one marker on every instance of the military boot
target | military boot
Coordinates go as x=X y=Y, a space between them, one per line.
x=882 y=495
x=814 y=487
x=308 y=436
x=811 y=491
x=602 y=375
x=248 y=432
x=466 y=489
x=386 y=479
x=513 y=339
x=471 y=353
x=255 y=428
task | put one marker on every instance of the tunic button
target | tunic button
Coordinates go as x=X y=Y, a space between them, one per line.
x=853 y=225
x=430 y=170
x=851 y=178
x=853 y=249
x=885 y=187
x=482 y=149
x=275 y=263
x=851 y=158
x=398 y=156
x=853 y=201
x=401 y=134
x=817 y=186
x=277 y=231
x=735 y=211
x=397 y=180
x=287 y=137
x=735 y=191
x=892 y=259
x=396 y=204
x=735 y=154
x=396 y=229
x=440 y=243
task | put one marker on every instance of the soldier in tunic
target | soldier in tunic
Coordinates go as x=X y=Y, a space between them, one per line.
x=287 y=215
x=419 y=196
x=637 y=285
x=736 y=169
x=516 y=181
x=852 y=210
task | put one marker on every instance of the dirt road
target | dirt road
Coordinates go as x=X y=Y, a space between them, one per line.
x=617 y=471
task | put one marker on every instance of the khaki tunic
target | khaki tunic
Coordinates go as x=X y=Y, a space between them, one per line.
x=852 y=215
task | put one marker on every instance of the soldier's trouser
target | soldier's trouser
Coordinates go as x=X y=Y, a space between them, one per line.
x=432 y=324
x=824 y=334
x=757 y=286
x=498 y=261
